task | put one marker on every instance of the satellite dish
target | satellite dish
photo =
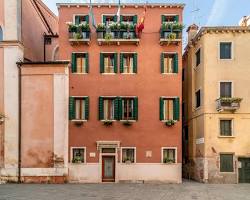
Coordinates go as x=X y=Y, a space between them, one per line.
x=245 y=21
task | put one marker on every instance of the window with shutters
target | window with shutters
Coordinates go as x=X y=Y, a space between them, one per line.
x=169 y=155
x=198 y=98
x=128 y=155
x=81 y=19
x=78 y=154
x=226 y=162
x=169 y=109
x=79 y=108
x=169 y=63
x=225 y=89
x=198 y=57
x=128 y=111
x=128 y=63
x=108 y=63
x=109 y=19
x=80 y=63
x=170 y=18
x=226 y=127
x=225 y=50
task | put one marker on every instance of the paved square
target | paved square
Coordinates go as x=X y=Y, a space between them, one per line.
x=185 y=191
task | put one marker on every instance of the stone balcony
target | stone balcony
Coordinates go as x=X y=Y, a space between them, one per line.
x=228 y=104
x=79 y=37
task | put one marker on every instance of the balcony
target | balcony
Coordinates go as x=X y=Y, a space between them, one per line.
x=79 y=34
x=171 y=33
x=228 y=104
x=117 y=34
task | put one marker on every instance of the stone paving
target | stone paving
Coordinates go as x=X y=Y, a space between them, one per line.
x=185 y=191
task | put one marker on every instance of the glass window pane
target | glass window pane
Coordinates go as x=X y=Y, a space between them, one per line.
x=226 y=163
x=78 y=155
x=128 y=155
x=225 y=50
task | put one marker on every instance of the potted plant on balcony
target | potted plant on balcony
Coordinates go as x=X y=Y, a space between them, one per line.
x=72 y=27
x=77 y=159
x=107 y=122
x=170 y=122
x=100 y=29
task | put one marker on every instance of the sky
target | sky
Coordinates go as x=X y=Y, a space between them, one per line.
x=201 y=12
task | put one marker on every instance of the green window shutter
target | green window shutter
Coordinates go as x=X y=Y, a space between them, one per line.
x=87 y=19
x=135 y=19
x=162 y=63
x=121 y=18
x=115 y=62
x=77 y=20
x=115 y=18
x=135 y=63
x=163 y=18
x=120 y=108
x=136 y=108
x=71 y=108
x=116 y=107
x=87 y=108
x=104 y=19
x=73 y=63
x=176 y=63
x=87 y=62
x=177 y=109
x=161 y=109
x=226 y=163
x=176 y=18
x=101 y=63
x=101 y=113
x=121 y=63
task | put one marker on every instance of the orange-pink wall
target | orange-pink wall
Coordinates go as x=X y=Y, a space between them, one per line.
x=38 y=115
x=1 y=105
x=149 y=85
x=1 y=12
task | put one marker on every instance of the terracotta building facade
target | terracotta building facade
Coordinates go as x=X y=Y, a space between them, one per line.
x=125 y=121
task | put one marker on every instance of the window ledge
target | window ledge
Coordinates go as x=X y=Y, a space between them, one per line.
x=226 y=136
x=84 y=163
x=108 y=73
x=164 y=121
x=169 y=163
x=228 y=172
x=108 y=120
x=127 y=163
x=128 y=73
x=124 y=120
x=169 y=73
x=79 y=73
x=78 y=120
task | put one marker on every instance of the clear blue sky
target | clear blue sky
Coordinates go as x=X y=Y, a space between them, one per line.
x=211 y=12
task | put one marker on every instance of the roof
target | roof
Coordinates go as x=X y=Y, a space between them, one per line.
x=217 y=29
x=169 y=5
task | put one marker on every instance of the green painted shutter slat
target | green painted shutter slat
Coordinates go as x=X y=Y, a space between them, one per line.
x=73 y=63
x=115 y=62
x=161 y=109
x=87 y=62
x=116 y=107
x=176 y=63
x=136 y=108
x=135 y=63
x=101 y=63
x=121 y=18
x=87 y=19
x=104 y=19
x=86 y=108
x=101 y=113
x=177 y=109
x=176 y=18
x=121 y=63
x=135 y=19
x=163 y=18
x=71 y=108
x=162 y=63
x=77 y=20
x=120 y=108
x=115 y=18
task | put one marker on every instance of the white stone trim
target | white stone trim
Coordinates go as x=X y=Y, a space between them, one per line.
x=84 y=156
x=176 y=152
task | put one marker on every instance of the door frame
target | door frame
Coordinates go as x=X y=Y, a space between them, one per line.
x=238 y=173
x=114 y=167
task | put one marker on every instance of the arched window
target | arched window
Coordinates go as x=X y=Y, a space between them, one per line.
x=1 y=34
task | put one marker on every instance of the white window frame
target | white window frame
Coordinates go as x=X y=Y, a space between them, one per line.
x=123 y=66
x=225 y=81
x=162 y=150
x=111 y=52
x=232 y=127
x=170 y=53
x=234 y=165
x=134 y=155
x=108 y=97
x=232 y=50
x=79 y=120
x=84 y=156
x=83 y=52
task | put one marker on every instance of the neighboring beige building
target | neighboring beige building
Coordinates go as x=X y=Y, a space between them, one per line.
x=216 y=104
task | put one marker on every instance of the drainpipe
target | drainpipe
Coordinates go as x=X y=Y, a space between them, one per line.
x=19 y=123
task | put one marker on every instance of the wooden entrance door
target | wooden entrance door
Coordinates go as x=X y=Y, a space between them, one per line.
x=244 y=170
x=108 y=168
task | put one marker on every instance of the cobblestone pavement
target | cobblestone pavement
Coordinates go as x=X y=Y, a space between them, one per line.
x=185 y=191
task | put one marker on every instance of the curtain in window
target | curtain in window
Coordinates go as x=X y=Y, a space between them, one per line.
x=128 y=109
x=128 y=64
x=128 y=155
x=79 y=109
x=169 y=155
x=108 y=109
x=168 y=64
x=109 y=64
x=168 y=109
x=81 y=64
x=226 y=89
